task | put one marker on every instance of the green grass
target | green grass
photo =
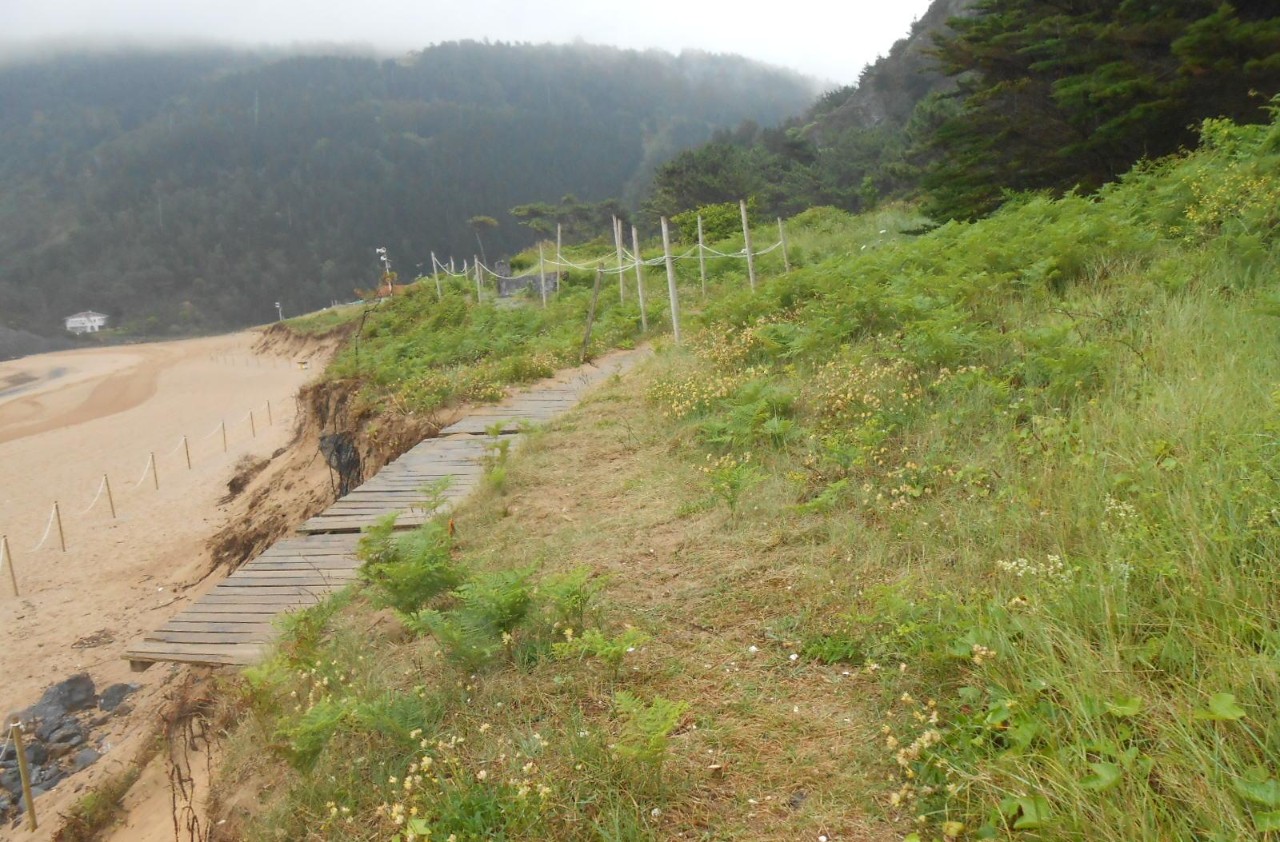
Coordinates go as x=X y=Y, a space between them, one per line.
x=323 y=321
x=967 y=534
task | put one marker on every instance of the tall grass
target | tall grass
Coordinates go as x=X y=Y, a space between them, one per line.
x=1017 y=479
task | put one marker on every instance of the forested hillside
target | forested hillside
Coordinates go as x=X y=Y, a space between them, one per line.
x=189 y=191
x=989 y=97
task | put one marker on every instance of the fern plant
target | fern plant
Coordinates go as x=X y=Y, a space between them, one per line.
x=646 y=727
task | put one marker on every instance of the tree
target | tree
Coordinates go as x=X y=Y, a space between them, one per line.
x=477 y=223
x=1073 y=94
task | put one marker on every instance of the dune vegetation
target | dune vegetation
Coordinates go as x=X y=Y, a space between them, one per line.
x=965 y=532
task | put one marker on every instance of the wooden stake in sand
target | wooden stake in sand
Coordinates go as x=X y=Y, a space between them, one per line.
x=155 y=474
x=186 y=449
x=224 y=435
x=57 y=515
x=253 y=426
x=24 y=773
x=270 y=421
x=6 y=558
x=106 y=483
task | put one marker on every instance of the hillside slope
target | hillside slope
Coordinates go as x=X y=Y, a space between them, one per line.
x=186 y=191
x=963 y=535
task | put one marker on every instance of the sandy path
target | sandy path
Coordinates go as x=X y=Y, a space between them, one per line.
x=65 y=420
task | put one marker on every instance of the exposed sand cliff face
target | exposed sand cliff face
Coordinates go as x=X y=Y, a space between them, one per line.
x=68 y=418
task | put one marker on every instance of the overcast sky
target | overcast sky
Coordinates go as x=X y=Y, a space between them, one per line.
x=827 y=39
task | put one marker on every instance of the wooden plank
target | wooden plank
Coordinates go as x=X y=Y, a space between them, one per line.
x=211 y=638
x=241 y=612
x=238 y=590
x=305 y=577
x=319 y=565
x=406 y=519
x=311 y=546
x=196 y=653
x=179 y=624
x=308 y=543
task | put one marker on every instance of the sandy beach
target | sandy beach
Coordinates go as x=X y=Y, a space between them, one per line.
x=66 y=420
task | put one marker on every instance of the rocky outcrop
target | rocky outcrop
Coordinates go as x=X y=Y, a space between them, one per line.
x=58 y=736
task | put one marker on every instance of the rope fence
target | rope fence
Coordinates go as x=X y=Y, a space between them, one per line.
x=149 y=470
x=102 y=486
x=625 y=260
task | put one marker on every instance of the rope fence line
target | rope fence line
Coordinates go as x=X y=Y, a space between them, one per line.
x=627 y=260
x=102 y=486
x=47 y=529
x=146 y=469
x=151 y=468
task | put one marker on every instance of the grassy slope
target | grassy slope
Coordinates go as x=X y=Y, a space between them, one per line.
x=968 y=534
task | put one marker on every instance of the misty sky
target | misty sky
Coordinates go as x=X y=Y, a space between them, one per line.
x=828 y=39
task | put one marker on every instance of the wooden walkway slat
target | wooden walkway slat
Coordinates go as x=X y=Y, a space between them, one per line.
x=234 y=624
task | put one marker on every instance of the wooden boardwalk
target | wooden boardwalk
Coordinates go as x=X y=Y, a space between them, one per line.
x=235 y=623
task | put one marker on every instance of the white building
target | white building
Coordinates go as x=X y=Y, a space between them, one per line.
x=86 y=322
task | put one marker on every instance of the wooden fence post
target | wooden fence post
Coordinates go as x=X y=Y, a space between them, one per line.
x=475 y=262
x=24 y=774
x=224 y=435
x=186 y=448
x=435 y=276
x=542 y=275
x=617 y=243
x=746 y=236
x=62 y=536
x=702 y=258
x=635 y=246
x=110 y=497
x=591 y=313
x=671 y=282
x=6 y=557
x=155 y=472
x=782 y=238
